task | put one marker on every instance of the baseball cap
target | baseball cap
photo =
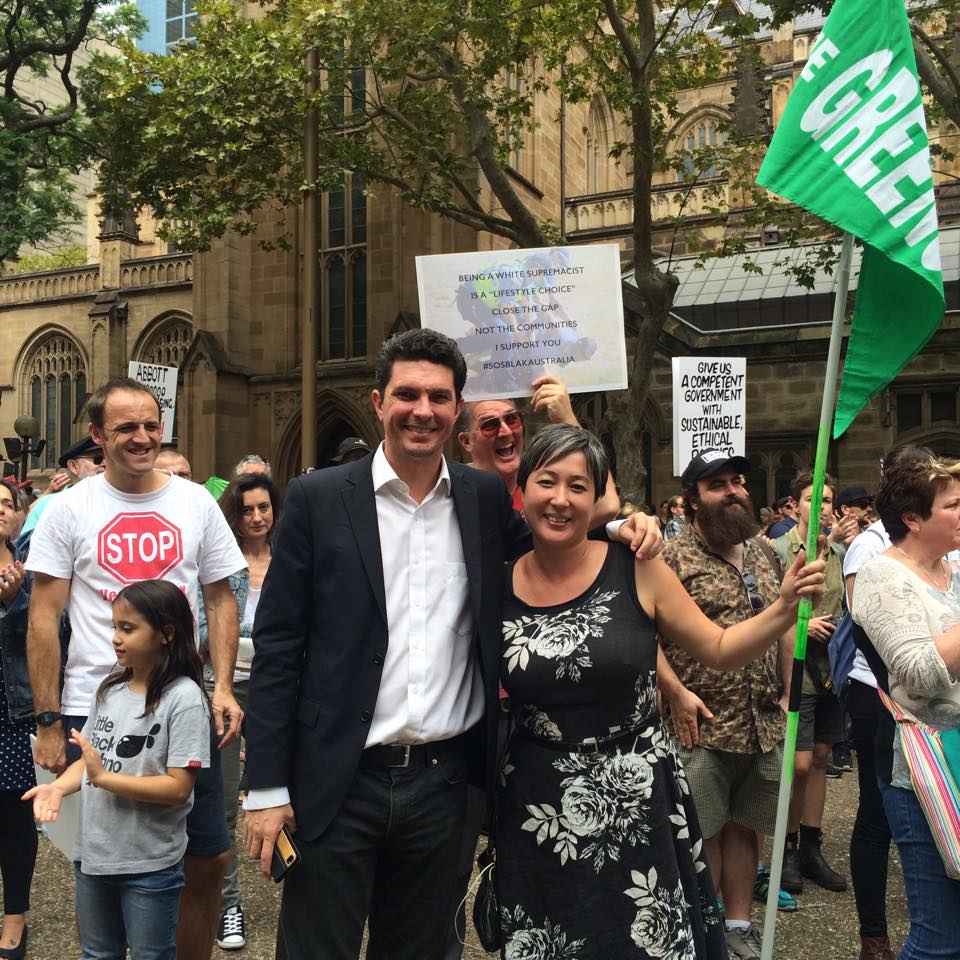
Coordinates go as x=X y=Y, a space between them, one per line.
x=710 y=461
x=851 y=495
x=86 y=447
x=348 y=446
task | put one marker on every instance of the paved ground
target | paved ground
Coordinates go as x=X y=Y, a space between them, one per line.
x=824 y=928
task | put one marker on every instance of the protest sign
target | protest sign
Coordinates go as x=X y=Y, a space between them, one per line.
x=709 y=407
x=162 y=383
x=519 y=314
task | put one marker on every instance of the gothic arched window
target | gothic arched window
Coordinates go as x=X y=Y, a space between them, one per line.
x=55 y=379
x=168 y=345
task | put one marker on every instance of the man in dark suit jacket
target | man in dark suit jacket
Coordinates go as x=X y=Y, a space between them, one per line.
x=377 y=657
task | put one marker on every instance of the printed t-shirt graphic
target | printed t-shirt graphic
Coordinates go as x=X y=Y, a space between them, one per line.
x=103 y=539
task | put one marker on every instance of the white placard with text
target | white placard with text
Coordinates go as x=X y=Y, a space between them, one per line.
x=709 y=407
x=162 y=383
x=519 y=314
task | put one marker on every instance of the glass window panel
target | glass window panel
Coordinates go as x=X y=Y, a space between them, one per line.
x=358 y=89
x=336 y=223
x=943 y=406
x=702 y=134
x=80 y=386
x=909 y=411
x=189 y=27
x=337 y=310
x=358 y=295
x=174 y=8
x=358 y=211
x=174 y=31
x=66 y=418
x=50 y=455
x=190 y=6
x=36 y=409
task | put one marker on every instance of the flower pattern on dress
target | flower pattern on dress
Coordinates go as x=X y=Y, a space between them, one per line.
x=660 y=927
x=558 y=636
x=523 y=940
x=604 y=804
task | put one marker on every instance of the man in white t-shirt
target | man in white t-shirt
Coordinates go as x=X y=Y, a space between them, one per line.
x=129 y=524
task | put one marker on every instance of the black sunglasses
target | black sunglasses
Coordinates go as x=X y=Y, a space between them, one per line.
x=97 y=458
x=753 y=592
x=490 y=426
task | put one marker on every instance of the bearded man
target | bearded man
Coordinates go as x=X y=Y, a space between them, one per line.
x=730 y=725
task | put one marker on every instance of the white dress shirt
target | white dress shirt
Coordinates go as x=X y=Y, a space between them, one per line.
x=431 y=687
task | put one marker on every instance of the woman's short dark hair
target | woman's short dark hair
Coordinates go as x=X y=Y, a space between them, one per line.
x=559 y=440
x=911 y=486
x=423 y=344
x=231 y=500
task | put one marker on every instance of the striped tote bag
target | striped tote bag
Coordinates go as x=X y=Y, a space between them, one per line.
x=933 y=757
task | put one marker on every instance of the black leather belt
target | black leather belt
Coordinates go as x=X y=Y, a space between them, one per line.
x=588 y=745
x=402 y=755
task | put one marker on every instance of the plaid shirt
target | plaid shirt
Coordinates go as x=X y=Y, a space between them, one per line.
x=747 y=717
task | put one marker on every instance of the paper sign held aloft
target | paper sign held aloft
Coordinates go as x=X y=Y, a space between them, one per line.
x=162 y=383
x=709 y=407
x=519 y=314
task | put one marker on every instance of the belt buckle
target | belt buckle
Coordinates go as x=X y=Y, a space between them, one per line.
x=406 y=757
x=590 y=745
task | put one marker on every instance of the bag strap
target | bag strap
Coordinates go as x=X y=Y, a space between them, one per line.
x=900 y=714
x=772 y=553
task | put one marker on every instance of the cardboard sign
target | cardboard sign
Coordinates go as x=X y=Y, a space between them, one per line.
x=709 y=407
x=519 y=314
x=162 y=383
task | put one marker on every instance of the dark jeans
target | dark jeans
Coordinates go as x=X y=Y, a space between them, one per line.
x=18 y=850
x=933 y=898
x=870 y=841
x=391 y=854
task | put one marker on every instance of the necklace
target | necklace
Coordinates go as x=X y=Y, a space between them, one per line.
x=946 y=579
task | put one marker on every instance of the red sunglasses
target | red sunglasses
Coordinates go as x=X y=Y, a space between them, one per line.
x=490 y=426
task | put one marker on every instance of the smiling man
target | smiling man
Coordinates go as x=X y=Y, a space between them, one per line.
x=373 y=692
x=492 y=433
x=127 y=524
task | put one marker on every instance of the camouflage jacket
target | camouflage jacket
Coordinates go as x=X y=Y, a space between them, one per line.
x=747 y=717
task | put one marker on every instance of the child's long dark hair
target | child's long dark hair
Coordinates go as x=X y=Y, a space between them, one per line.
x=165 y=607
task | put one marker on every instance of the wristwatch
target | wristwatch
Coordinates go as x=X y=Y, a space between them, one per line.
x=47 y=718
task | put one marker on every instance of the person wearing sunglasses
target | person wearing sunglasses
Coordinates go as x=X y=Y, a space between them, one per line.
x=492 y=432
x=729 y=724
x=84 y=459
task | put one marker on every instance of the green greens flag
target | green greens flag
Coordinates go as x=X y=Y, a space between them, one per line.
x=852 y=148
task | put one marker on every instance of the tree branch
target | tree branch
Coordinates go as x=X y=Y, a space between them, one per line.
x=944 y=89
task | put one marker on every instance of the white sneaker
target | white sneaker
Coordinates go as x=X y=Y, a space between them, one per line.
x=231 y=934
x=743 y=943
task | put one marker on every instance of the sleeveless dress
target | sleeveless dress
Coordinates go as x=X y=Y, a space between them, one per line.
x=599 y=855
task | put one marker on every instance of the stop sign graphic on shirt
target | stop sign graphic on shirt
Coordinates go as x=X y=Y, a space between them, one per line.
x=139 y=546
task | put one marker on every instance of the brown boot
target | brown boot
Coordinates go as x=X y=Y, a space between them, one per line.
x=876 y=948
x=815 y=868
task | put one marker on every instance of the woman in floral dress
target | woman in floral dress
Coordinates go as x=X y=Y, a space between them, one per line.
x=599 y=852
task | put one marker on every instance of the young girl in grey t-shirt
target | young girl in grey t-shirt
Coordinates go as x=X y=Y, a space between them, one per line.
x=146 y=737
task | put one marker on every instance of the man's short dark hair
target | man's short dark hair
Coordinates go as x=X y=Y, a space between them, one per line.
x=97 y=403
x=911 y=486
x=423 y=344
x=803 y=480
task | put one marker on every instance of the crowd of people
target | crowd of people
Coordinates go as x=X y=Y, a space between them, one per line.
x=415 y=650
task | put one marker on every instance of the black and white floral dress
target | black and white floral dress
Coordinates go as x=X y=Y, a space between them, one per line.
x=599 y=855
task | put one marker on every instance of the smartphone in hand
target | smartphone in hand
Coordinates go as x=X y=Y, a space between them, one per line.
x=285 y=855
